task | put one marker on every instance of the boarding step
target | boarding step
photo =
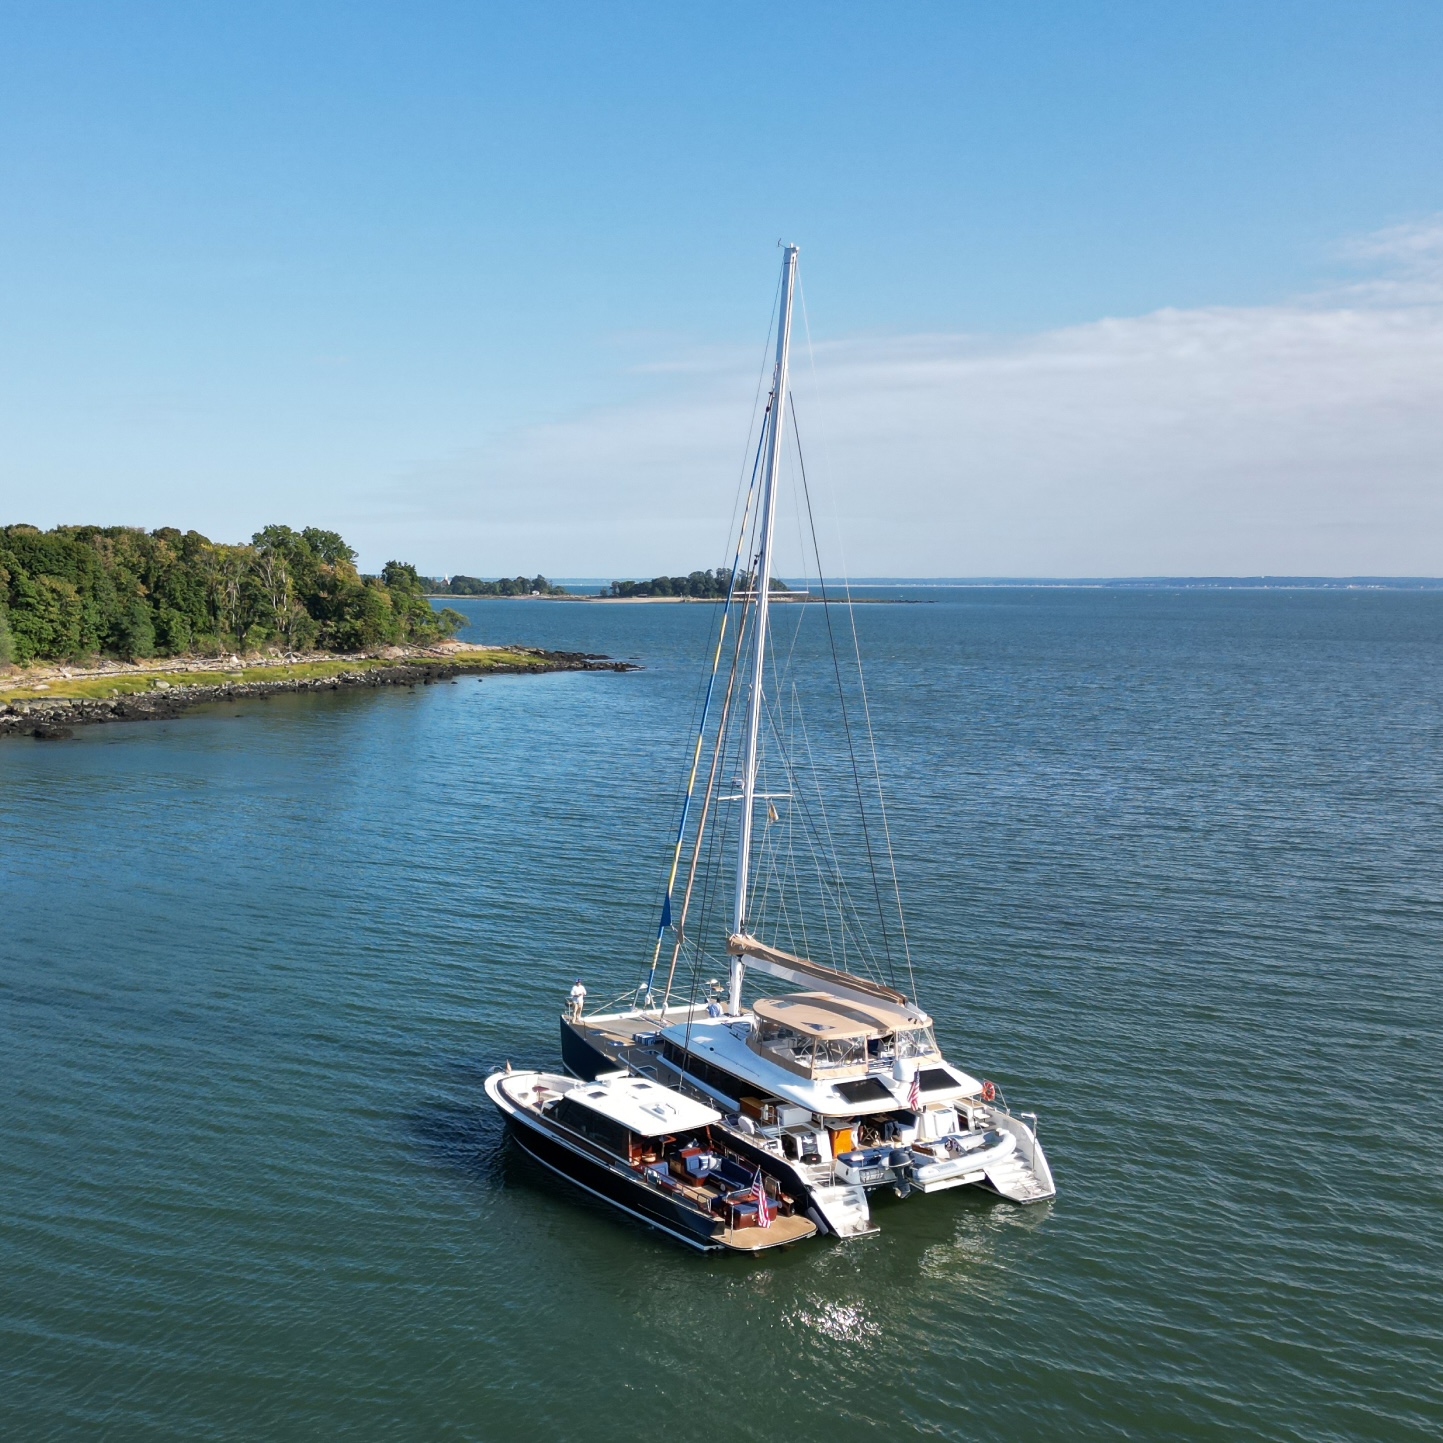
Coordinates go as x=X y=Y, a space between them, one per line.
x=1017 y=1182
x=843 y=1208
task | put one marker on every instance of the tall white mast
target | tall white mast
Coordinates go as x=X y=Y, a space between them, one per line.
x=762 y=584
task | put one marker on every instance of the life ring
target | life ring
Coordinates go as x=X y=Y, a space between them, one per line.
x=989 y=1091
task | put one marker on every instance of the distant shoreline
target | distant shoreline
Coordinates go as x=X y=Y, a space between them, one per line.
x=792 y=598
x=1164 y=583
x=1122 y=583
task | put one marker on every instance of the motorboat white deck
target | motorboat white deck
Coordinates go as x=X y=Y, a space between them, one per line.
x=644 y=1107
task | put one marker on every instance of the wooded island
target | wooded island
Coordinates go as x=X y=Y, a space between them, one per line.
x=77 y=592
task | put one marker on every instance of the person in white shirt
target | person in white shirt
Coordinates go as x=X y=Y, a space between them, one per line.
x=578 y=1000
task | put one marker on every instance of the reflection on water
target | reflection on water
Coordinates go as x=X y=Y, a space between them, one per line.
x=973 y=1257
x=842 y=1322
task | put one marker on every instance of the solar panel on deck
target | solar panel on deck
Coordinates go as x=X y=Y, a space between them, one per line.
x=936 y=1079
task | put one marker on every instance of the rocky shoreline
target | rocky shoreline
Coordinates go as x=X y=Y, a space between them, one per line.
x=53 y=718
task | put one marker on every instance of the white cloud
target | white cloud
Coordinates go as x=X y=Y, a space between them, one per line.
x=1412 y=255
x=1300 y=438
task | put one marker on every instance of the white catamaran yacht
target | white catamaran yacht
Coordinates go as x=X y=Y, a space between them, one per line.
x=839 y=1086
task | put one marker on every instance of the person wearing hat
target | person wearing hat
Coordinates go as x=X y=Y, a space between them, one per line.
x=578 y=1000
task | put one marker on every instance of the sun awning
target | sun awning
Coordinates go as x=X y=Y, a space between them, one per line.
x=841 y=1016
x=797 y=969
x=817 y=1014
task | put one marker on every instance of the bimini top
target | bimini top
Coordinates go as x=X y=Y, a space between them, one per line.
x=643 y=1107
x=820 y=1014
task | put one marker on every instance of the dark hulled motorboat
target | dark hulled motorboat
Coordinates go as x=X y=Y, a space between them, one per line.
x=654 y=1154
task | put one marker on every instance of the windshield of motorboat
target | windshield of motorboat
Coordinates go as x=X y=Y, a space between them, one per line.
x=916 y=1042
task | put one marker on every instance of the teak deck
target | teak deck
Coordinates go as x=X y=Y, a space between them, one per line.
x=782 y=1230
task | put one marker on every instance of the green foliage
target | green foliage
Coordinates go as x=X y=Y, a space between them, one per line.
x=328 y=546
x=134 y=634
x=506 y=586
x=46 y=616
x=702 y=585
x=78 y=590
x=172 y=631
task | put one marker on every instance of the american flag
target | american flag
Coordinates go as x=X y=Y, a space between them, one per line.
x=764 y=1208
x=914 y=1096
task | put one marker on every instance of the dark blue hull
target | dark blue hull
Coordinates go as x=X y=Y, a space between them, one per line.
x=579 y=1057
x=687 y=1225
x=585 y=1061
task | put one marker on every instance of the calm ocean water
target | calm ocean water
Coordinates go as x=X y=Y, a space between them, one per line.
x=1172 y=863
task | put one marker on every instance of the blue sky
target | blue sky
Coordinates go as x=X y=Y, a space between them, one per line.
x=485 y=286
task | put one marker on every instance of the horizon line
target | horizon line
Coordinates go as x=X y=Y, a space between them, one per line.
x=1259 y=579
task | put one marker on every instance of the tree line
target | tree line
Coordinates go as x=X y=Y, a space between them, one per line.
x=506 y=586
x=81 y=591
x=706 y=585
x=703 y=585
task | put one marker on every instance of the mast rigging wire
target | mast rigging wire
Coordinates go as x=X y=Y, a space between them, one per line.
x=665 y=921
x=842 y=699
x=857 y=653
x=679 y=928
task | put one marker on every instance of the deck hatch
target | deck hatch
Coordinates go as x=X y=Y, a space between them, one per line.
x=867 y=1089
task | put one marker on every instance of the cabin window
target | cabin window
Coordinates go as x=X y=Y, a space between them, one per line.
x=916 y=1042
x=603 y=1131
x=814 y=1054
x=840 y=1052
x=703 y=1071
x=785 y=1042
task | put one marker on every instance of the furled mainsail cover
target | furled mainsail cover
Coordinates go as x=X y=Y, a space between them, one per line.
x=740 y=944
